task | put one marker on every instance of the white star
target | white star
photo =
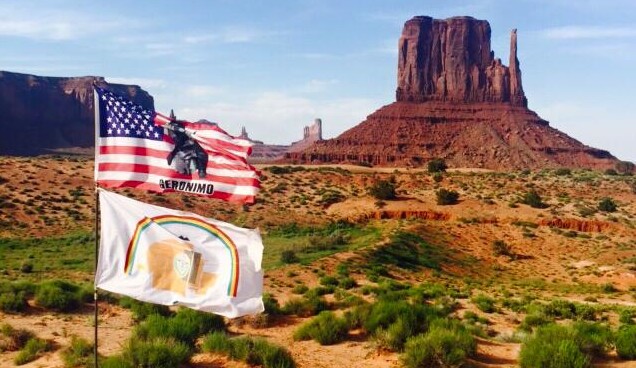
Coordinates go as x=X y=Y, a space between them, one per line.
x=127 y=120
x=138 y=132
x=110 y=131
x=147 y=134
x=121 y=125
x=109 y=119
x=156 y=135
x=117 y=103
x=127 y=131
x=114 y=125
x=118 y=131
x=129 y=115
x=120 y=115
x=104 y=97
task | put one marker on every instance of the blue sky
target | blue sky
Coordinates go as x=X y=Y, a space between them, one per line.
x=274 y=66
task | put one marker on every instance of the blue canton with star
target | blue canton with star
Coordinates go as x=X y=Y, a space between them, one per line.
x=120 y=117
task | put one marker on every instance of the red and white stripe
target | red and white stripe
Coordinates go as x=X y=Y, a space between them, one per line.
x=142 y=163
x=212 y=138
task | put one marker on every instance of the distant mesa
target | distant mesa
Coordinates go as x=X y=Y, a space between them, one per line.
x=311 y=134
x=457 y=101
x=245 y=136
x=262 y=153
x=41 y=115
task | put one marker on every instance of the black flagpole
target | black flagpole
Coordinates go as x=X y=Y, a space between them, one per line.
x=95 y=163
x=96 y=257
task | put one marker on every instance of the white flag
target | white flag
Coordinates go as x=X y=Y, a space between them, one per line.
x=170 y=257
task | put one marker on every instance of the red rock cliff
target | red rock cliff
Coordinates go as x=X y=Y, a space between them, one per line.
x=451 y=60
x=44 y=114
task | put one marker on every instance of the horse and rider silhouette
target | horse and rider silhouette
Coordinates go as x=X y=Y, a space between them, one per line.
x=187 y=154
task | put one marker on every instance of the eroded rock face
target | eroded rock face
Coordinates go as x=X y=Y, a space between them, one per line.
x=44 y=114
x=311 y=134
x=587 y=226
x=451 y=60
x=486 y=135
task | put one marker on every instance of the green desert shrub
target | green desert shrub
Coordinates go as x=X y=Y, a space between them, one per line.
x=115 y=361
x=557 y=354
x=78 y=354
x=31 y=351
x=501 y=248
x=626 y=316
x=535 y=319
x=383 y=190
x=533 y=199
x=437 y=165
x=272 y=307
x=396 y=334
x=594 y=339
x=252 y=351
x=328 y=281
x=607 y=205
x=347 y=283
x=626 y=342
x=565 y=346
x=446 y=197
x=205 y=322
x=447 y=344
x=13 y=339
x=392 y=322
x=404 y=250
x=12 y=302
x=26 y=267
x=288 y=256
x=61 y=296
x=217 y=342
x=306 y=306
x=564 y=171
x=326 y=329
x=300 y=289
x=157 y=353
x=141 y=310
x=484 y=303
x=185 y=327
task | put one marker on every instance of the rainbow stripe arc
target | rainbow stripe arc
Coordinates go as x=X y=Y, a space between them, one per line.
x=144 y=223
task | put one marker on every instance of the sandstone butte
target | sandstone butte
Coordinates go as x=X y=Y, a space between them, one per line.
x=44 y=114
x=456 y=101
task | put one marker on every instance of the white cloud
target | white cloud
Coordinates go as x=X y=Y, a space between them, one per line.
x=232 y=34
x=41 y=23
x=318 y=85
x=314 y=56
x=202 y=91
x=591 y=32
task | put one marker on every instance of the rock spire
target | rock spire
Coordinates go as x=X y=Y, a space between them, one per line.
x=451 y=60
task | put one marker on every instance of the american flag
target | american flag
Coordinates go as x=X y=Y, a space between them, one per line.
x=134 y=146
